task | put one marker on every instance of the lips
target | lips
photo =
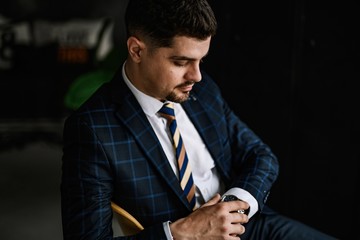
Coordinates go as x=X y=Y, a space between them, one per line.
x=186 y=88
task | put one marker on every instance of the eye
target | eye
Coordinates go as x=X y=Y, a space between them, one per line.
x=180 y=63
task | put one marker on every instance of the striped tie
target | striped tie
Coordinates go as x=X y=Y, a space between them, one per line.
x=185 y=175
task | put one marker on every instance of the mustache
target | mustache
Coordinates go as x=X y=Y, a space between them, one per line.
x=188 y=83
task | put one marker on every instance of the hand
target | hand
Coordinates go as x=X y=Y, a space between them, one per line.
x=213 y=220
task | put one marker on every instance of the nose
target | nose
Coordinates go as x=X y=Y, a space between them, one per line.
x=194 y=73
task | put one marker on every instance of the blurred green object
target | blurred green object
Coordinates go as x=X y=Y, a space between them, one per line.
x=84 y=86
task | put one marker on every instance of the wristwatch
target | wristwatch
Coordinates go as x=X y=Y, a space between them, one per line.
x=228 y=198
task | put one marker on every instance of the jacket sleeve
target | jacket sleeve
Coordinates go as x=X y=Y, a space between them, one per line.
x=87 y=187
x=244 y=160
x=254 y=166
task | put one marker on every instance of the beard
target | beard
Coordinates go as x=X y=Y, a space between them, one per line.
x=178 y=98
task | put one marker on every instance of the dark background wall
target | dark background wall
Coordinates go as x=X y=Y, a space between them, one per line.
x=288 y=68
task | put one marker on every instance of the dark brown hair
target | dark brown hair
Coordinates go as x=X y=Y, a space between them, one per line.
x=159 y=21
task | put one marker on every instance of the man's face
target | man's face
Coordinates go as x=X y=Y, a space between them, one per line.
x=170 y=73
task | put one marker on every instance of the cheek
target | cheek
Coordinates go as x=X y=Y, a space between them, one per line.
x=176 y=74
x=172 y=78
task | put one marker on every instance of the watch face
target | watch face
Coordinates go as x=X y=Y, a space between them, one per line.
x=228 y=198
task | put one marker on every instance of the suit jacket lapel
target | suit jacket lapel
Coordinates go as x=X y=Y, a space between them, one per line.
x=139 y=126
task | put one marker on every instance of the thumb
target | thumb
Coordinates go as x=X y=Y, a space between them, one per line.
x=214 y=200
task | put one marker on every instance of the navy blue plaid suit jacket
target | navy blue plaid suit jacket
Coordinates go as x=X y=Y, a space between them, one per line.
x=111 y=153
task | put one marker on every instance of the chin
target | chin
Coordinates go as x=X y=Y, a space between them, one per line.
x=178 y=98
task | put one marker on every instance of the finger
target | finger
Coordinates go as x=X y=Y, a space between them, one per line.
x=239 y=218
x=235 y=236
x=236 y=205
x=246 y=206
x=240 y=230
x=213 y=200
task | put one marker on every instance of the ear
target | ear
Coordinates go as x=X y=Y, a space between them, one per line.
x=135 y=46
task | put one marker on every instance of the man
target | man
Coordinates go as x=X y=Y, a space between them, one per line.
x=118 y=146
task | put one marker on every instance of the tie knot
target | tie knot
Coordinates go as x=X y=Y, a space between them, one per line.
x=167 y=111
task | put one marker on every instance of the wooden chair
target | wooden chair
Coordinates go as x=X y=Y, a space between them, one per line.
x=123 y=223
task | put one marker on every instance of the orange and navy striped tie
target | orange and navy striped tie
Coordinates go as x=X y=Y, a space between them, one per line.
x=185 y=175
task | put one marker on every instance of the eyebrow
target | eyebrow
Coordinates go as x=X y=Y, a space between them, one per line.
x=182 y=58
x=186 y=58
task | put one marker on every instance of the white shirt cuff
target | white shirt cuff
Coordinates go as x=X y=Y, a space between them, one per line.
x=246 y=197
x=167 y=230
